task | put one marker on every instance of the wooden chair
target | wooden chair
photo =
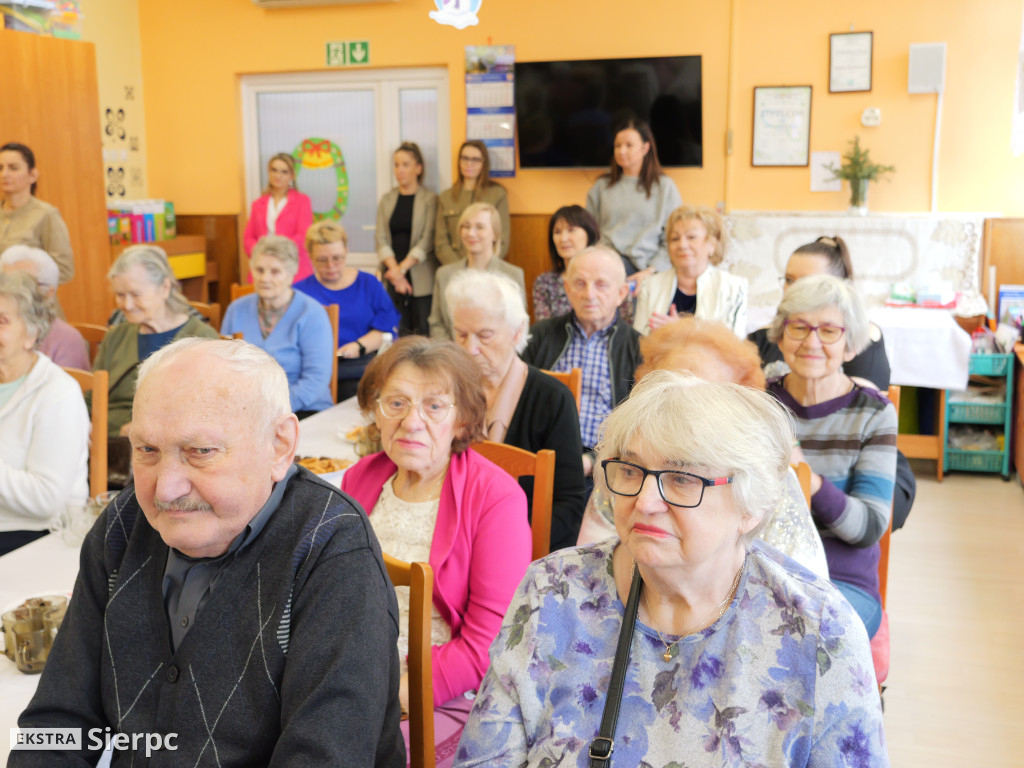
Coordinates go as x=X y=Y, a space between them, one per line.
x=237 y=336
x=93 y=335
x=420 y=579
x=883 y=556
x=239 y=290
x=211 y=312
x=96 y=382
x=333 y=313
x=573 y=380
x=541 y=466
x=803 y=475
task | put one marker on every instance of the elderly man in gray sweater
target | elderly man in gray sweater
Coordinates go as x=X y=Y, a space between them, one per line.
x=230 y=608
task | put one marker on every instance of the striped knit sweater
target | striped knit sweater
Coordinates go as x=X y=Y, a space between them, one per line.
x=851 y=442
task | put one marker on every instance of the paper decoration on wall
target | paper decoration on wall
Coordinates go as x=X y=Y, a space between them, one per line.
x=317 y=156
x=43 y=17
x=456 y=13
x=491 y=105
x=115 y=182
x=115 y=124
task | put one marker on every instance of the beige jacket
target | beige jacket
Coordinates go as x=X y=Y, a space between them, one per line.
x=39 y=225
x=424 y=216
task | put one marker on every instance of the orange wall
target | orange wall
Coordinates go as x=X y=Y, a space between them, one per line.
x=195 y=50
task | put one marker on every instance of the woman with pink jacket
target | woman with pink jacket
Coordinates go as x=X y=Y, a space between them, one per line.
x=432 y=498
x=281 y=210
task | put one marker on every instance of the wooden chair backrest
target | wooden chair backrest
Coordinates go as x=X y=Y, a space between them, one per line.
x=573 y=380
x=93 y=335
x=803 y=475
x=238 y=290
x=893 y=394
x=209 y=311
x=333 y=313
x=96 y=382
x=541 y=465
x=419 y=577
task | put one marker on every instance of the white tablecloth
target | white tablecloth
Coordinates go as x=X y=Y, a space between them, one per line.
x=925 y=347
x=323 y=434
x=44 y=567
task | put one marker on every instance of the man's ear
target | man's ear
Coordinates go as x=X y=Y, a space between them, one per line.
x=286 y=441
x=623 y=293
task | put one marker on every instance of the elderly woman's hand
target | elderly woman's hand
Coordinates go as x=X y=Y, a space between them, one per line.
x=659 y=319
x=349 y=351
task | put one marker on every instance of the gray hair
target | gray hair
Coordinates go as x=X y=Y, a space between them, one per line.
x=725 y=428
x=34 y=307
x=248 y=361
x=281 y=248
x=613 y=259
x=47 y=271
x=490 y=291
x=153 y=261
x=811 y=294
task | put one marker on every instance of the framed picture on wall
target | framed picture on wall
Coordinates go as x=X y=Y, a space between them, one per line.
x=849 y=62
x=782 y=126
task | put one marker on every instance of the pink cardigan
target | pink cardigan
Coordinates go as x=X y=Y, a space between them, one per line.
x=480 y=551
x=295 y=219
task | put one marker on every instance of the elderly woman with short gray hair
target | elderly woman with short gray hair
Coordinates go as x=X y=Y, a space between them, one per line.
x=525 y=407
x=846 y=432
x=289 y=325
x=730 y=653
x=44 y=426
x=155 y=312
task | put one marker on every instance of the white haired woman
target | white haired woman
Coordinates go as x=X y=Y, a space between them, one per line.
x=480 y=230
x=739 y=656
x=525 y=407
x=156 y=313
x=44 y=426
x=695 y=285
x=846 y=432
x=291 y=326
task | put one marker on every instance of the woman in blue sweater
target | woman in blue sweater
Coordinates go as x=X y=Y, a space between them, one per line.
x=292 y=327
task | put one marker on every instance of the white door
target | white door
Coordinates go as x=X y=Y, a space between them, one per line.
x=343 y=128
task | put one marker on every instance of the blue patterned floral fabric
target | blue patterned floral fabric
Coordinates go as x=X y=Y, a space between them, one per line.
x=783 y=678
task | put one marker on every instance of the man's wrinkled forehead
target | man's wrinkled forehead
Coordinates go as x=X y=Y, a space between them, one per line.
x=598 y=263
x=201 y=385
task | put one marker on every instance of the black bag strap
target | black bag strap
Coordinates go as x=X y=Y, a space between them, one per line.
x=603 y=744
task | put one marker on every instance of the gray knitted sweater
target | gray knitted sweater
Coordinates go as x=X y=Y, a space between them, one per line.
x=292 y=660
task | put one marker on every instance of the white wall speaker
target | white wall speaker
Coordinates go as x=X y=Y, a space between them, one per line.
x=927 y=70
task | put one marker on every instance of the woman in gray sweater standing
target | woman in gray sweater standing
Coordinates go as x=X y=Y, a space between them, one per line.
x=633 y=201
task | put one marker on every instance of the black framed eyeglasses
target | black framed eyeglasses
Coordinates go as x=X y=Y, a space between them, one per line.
x=680 y=489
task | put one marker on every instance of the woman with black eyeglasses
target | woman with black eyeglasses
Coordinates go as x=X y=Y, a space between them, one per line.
x=474 y=185
x=731 y=653
x=847 y=432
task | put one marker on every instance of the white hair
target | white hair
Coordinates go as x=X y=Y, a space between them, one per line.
x=811 y=294
x=720 y=427
x=152 y=259
x=490 y=291
x=281 y=248
x=47 y=271
x=247 y=361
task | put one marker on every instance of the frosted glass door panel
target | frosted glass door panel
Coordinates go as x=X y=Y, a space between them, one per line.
x=335 y=134
x=418 y=118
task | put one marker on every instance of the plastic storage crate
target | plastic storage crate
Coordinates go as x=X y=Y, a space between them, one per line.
x=989 y=365
x=975 y=461
x=977 y=413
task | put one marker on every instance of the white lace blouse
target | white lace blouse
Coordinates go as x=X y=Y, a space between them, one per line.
x=405 y=530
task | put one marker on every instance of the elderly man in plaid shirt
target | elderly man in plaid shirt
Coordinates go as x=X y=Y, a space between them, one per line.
x=592 y=337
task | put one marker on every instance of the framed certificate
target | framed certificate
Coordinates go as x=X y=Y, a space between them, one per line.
x=849 y=62
x=782 y=126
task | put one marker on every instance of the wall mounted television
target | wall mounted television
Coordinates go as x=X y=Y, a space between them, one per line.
x=566 y=111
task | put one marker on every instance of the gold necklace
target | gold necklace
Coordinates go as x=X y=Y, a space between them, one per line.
x=670 y=649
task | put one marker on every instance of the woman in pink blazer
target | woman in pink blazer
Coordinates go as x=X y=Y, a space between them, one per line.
x=281 y=210
x=431 y=497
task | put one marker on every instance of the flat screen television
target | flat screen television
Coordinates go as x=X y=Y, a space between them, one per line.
x=567 y=111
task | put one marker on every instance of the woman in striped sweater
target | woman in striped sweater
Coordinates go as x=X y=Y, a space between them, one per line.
x=845 y=432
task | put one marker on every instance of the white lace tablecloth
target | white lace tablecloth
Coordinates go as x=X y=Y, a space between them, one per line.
x=884 y=248
x=323 y=434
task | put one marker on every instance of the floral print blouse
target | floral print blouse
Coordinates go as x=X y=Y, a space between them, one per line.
x=549 y=299
x=783 y=678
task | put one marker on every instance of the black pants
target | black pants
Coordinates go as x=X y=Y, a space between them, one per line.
x=414 y=312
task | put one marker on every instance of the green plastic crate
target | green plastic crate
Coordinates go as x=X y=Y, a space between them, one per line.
x=975 y=461
x=989 y=365
x=977 y=413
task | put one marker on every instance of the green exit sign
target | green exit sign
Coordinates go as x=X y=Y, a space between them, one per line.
x=348 y=53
